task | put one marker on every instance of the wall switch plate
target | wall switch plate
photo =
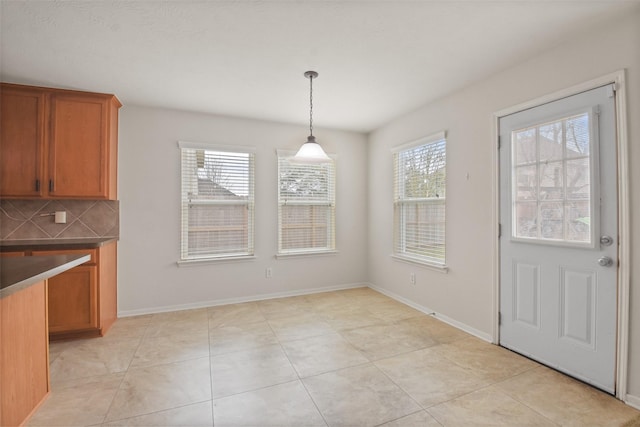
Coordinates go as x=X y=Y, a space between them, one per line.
x=412 y=278
x=268 y=273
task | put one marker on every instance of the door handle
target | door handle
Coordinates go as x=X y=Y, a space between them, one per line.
x=605 y=261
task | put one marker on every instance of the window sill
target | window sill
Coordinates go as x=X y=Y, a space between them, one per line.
x=440 y=268
x=204 y=261
x=306 y=254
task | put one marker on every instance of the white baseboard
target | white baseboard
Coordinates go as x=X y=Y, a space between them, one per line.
x=633 y=401
x=213 y=303
x=459 y=325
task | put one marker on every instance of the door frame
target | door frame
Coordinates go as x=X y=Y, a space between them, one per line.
x=618 y=79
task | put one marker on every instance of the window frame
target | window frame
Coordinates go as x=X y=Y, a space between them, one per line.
x=185 y=202
x=594 y=169
x=400 y=202
x=330 y=201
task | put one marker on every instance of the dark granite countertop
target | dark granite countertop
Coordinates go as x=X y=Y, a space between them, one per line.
x=18 y=273
x=44 y=244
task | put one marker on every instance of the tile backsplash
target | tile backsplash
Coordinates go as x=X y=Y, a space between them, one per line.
x=23 y=219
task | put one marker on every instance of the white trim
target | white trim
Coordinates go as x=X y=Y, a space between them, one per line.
x=594 y=166
x=438 y=136
x=618 y=79
x=564 y=93
x=633 y=401
x=193 y=262
x=495 y=223
x=213 y=303
x=216 y=147
x=284 y=153
x=440 y=268
x=624 y=227
x=308 y=253
x=458 y=325
x=329 y=170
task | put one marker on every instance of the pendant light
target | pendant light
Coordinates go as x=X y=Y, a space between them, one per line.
x=311 y=151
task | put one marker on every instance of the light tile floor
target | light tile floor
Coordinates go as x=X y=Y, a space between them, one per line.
x=345 y=358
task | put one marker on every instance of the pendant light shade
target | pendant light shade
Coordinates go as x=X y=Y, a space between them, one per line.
x=311 y=151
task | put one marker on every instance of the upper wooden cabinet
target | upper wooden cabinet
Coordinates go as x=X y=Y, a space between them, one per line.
x=22 y=127
x=58 y=143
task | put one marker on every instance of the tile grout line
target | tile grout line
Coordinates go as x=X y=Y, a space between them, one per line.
x=506 y=393
x=126 y=372
x=405 y=416
x=151 y=413
x=492 y=385
x=399 y=386
x=298 y=373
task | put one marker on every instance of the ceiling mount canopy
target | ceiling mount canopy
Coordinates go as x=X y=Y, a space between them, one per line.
x=311 y=151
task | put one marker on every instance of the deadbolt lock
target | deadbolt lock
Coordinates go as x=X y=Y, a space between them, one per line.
x=606 y=240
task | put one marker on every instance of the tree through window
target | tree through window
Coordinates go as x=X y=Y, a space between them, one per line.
x=217 y=202
x=420 y=201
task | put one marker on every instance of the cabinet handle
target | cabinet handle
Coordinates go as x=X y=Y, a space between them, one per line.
x=37 y=185
x=50 y=185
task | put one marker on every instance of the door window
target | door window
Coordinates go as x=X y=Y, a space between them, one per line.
x=552 y=176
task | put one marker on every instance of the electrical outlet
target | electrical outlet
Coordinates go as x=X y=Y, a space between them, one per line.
x=268 y=273
x=60 y=217
x=412 y=278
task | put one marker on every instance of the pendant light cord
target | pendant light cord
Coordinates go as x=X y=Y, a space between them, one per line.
x=311 y=105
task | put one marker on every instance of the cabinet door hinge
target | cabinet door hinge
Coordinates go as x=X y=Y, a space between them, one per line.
x=499 y=230
x=499 y=142
x=499 y=318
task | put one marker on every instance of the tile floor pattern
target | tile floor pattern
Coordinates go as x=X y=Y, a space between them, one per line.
x=344 y=358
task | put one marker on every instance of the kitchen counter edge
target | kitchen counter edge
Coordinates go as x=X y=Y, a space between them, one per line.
x=54 y=244
x=17 y=274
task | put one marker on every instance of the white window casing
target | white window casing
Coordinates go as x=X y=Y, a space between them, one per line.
x=306 y=206
x=217 y=202
x=419 y=203
x=553 y=181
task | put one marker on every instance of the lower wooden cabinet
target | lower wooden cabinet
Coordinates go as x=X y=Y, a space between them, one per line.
x=73 y=300
x=82 y=301
x=24 y=353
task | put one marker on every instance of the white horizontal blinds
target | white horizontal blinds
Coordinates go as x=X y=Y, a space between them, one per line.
x=419 y=202
x=306 y=206
x=552 y=194
x=217 y=203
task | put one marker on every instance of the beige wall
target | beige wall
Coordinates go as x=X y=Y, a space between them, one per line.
x=149 y=279
x=149 y=185
x=465 y=294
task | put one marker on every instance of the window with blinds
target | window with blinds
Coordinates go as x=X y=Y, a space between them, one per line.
x=217 y=201
x=419 y=203
x=306 y=206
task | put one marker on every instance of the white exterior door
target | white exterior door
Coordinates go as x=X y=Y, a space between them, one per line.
x=559 y=239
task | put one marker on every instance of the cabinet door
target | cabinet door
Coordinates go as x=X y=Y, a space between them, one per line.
x=78 y=146
x=73 y=300
x=24 y=350
x=22 y=126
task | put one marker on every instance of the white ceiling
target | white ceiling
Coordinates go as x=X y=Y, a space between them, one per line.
x=377 y=59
